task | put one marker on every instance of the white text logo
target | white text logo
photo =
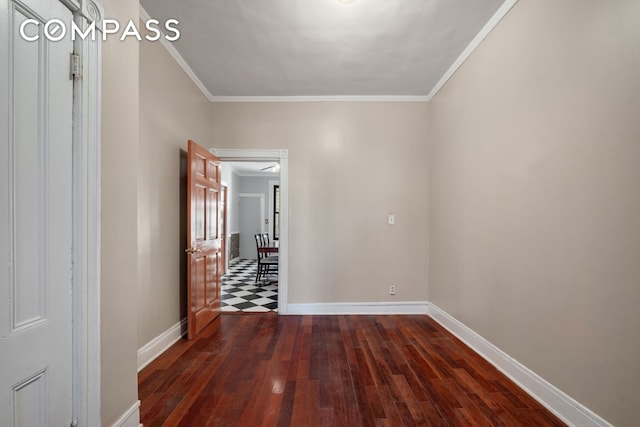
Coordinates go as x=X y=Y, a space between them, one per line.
x=55 y=30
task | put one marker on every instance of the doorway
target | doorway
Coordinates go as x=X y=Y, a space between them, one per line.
x=243 y=289
x=241 y=266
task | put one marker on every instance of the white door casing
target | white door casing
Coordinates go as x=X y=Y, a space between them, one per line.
x=36 y=95
x=282 y=157
x=86 y=215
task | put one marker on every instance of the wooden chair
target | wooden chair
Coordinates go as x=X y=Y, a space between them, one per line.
x=267 y=263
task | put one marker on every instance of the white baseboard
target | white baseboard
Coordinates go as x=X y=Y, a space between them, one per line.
x=154 y=348
x=558 y=402
x=402 y=307
x=131 y=418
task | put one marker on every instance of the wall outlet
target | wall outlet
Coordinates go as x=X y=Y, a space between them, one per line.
x=392 y=290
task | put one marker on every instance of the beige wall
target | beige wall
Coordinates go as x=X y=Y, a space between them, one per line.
x=172 y=110
x=535 y=196
x=119 y=218
x=350 y=165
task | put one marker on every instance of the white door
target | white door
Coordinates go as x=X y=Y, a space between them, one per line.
x=35 y=218
x=250 y=225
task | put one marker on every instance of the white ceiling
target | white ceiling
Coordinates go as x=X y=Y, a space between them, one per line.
x=323 y=47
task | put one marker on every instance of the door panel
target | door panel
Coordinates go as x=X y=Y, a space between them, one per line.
x=35 y=219
x=200 y=196
x=199 y=290
x=212 y=214
x=211 y=292
x=203 y=234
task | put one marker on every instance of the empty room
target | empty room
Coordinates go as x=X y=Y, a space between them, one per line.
x=320 y=213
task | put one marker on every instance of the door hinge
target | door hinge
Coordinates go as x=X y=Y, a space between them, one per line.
x=76 y=67
x=74 y=423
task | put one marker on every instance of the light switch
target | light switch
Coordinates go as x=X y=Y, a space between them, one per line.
x=392 y=219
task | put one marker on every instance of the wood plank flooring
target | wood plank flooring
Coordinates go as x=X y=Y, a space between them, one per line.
x=269 y=370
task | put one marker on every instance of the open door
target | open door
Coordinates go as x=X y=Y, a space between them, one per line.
x=204 y=237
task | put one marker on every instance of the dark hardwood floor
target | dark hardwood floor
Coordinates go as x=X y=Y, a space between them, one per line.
x=269 y=370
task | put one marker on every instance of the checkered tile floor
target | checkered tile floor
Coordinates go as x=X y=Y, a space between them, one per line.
x=241 y=293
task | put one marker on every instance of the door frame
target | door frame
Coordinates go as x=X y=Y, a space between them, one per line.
x=86 y=183
x=282 y=156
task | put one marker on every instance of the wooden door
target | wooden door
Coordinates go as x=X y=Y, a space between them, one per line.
x=204 y=238
x=36 y=98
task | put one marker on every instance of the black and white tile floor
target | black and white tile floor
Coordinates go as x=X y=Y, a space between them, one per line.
x=240 y=292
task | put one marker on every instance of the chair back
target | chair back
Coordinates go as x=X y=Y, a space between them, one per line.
x=259 y=244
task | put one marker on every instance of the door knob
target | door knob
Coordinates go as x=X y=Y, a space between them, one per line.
x=192 y=250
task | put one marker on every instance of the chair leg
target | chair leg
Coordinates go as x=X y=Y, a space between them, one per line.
x=262 y=271
x=262 y=266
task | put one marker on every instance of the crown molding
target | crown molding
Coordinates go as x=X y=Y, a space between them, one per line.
x=471 y=47
x=466 y=53
x=180 y=60
x=323 y=98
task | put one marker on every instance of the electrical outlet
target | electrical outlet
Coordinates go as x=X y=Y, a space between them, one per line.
x=392 y=290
